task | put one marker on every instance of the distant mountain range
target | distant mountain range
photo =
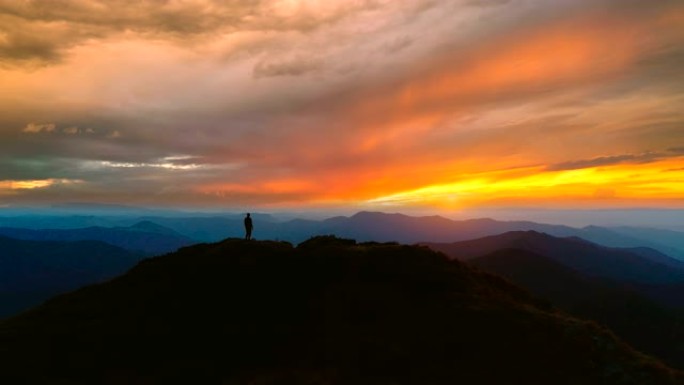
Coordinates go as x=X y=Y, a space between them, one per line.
x=364 y=226
x=382 y=227
x=639 y=266
x=329 y=311
x=33 y=271
x=145 y=236
x=407 y=229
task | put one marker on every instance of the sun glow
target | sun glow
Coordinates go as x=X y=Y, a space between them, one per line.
x=654 y=181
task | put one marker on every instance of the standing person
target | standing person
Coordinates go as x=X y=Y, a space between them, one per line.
x=248 y=227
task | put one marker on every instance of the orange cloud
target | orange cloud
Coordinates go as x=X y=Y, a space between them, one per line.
x=535 y=60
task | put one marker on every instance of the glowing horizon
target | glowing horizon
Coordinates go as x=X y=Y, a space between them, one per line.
x=378 y=103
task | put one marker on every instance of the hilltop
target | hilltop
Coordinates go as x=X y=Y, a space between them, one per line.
x=329 y=311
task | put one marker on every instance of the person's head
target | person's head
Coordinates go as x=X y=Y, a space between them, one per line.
x=247 y=215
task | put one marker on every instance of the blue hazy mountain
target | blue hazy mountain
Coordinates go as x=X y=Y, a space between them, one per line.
x=666 y=241
x=33 y=271
x=329 y=311
x=145 y=236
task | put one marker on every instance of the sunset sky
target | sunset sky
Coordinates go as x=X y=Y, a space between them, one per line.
x=379 y=104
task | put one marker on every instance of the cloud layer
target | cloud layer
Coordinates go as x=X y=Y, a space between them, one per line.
x=306 y=103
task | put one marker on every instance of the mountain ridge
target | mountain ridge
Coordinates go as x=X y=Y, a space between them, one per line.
x=587 y=257
x=143 y=236
x=364 y=226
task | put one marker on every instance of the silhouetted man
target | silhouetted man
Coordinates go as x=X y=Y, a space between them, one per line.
x=248 y=227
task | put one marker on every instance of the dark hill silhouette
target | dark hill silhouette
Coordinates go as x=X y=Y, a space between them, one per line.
x=638 y=320
x=670 y=295
x=588 y=258
x=327 y=312
x=147 y=237
x=33 y=271
x=537 y=273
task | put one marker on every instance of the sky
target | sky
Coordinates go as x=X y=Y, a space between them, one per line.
x=386 y=104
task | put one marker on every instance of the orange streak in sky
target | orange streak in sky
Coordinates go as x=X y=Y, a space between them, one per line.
x=533 y=61
x=663 y=180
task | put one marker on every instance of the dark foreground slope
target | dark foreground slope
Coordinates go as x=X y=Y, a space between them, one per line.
x=327 y=312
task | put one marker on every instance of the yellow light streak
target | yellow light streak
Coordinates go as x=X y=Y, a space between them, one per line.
x=652 y=181
x=14 y=185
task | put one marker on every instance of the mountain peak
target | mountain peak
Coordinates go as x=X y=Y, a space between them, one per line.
x=375 y=214
x=152 y=227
